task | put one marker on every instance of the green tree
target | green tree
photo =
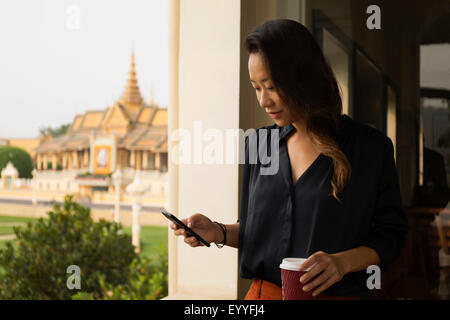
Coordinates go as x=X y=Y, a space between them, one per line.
x=19 y=158
x=54 y=132
x=37 y=267
x=147 y=281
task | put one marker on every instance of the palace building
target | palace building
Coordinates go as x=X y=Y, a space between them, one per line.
x=130 y=135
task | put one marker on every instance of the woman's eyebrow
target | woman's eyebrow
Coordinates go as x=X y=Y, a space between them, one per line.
x=263 y=80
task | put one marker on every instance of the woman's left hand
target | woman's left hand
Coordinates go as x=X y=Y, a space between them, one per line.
x=327 y=269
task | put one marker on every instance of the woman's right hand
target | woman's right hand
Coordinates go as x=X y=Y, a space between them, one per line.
x=201 y=225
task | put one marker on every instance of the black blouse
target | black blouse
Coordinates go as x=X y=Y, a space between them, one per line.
x=280 y=219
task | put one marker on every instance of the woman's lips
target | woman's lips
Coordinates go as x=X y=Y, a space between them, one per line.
x=275 y=115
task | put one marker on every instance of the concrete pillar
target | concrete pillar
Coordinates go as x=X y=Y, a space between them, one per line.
x=39 y=161
x=223 y=37
x=136 y=228
x=117 y=179
x=54 y=161
x=34 y=186
x=133 y=159
x=157 y=161
x=86 y=158
x=136 y=189
x=145 y=159
x=138 y=160
x=172 y=125
x=45 y=161
x=69 y=160
x=64 y=160
x=75 y=159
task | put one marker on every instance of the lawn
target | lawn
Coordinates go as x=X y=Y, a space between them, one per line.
x=7 y=223
x=4 y=230
x=152 y=237
x=9 y=219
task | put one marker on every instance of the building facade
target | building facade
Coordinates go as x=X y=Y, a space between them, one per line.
x=130 y=135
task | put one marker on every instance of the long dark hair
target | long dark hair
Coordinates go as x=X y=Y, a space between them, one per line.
x=306 y=84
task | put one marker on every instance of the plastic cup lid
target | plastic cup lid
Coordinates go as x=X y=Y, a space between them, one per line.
x=293 y=264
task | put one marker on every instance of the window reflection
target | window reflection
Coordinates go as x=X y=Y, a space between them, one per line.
x=339 y=61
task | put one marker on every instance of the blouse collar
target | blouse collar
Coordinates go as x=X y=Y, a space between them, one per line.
x=344 y=127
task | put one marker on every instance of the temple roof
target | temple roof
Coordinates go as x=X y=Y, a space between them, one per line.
x=149 y=133
x=145 y=138
x=92 y=119
x=68 y=142
x=141 y=127
x=160 y=118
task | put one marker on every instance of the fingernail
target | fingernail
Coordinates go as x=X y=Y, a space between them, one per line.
x=189 y=224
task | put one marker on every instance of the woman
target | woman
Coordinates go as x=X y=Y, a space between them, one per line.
x=335 y=199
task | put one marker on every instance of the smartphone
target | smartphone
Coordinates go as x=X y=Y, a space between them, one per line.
x=189 y=231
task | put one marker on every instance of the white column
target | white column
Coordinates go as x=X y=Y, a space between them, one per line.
x=133 y=159
x=172 y=200
x=138 y=160
x=54 y=161
x=136 y=189
x=145 y=160
x=86 y=158
x=69 y=160
x=45 y=161
x=117 y=203
x=39 y=161
x=64 y=160
x=117 y=178
x=136 y=228
x=34 y=186
x=75 y=159
x=223 y=37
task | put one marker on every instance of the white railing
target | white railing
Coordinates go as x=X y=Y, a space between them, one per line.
x=63 y=181
x=23 y=183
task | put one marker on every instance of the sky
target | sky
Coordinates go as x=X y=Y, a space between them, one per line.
x=59 y=58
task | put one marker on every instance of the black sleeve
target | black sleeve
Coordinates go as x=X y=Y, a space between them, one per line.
x=244 y=193
x=389 y=223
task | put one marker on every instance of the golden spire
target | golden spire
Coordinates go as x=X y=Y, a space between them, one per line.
x=131 y=97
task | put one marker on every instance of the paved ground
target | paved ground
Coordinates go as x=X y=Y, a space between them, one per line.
x=83 y=203
x=12 y=224
x=150 y=214
x=8 y=237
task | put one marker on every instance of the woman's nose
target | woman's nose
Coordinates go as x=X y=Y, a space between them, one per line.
x=264 y=99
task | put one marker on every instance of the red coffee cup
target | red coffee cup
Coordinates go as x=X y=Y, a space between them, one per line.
x=292 y=288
